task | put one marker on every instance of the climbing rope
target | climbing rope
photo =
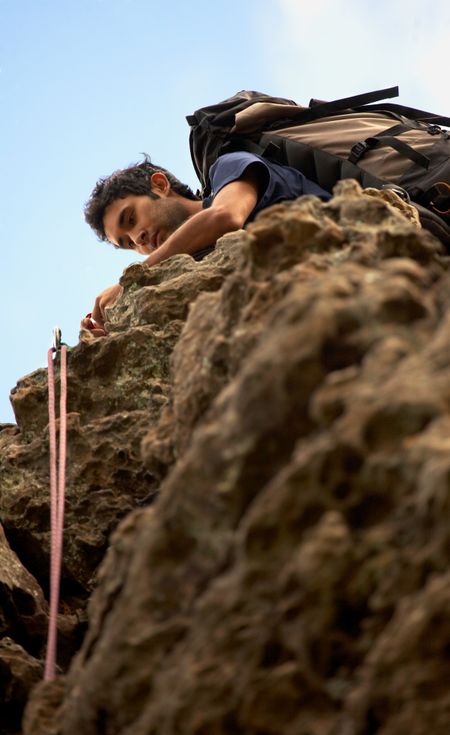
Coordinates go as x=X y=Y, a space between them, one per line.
x=57 y=492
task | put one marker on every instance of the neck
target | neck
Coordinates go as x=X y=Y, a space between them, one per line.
x=193 y=206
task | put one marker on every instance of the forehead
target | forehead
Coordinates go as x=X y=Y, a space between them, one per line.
x=115 y=218
x=114 y=212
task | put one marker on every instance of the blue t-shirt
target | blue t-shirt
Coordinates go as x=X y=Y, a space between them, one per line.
x=277 y=183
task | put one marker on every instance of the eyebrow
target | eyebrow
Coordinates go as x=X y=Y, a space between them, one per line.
x=122 y=216
x=121 y=224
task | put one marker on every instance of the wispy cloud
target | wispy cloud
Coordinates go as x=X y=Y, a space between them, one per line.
x=334 y=48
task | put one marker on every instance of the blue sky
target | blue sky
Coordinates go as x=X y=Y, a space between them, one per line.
x=87 y=85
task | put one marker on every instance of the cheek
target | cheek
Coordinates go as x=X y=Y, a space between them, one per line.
x=145 y=214
x=143 y=250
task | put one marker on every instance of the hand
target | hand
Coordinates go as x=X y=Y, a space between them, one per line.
x=95 y=321
x=106 y=298
x=94 y=329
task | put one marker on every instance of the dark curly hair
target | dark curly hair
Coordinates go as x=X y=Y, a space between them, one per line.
x=135 y=179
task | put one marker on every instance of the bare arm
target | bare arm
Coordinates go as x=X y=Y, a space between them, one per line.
x=228 y=212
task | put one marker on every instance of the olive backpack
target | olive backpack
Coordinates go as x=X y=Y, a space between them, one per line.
x=381 y=144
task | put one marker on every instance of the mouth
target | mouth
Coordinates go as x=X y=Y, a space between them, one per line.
x=155 y=240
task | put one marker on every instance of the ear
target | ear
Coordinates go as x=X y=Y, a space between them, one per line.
x=160 y=184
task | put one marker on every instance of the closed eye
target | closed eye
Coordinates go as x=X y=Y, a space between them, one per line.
x=127 y=218
x=125 y=243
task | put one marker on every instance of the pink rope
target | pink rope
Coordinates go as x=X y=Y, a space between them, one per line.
x=57 y=493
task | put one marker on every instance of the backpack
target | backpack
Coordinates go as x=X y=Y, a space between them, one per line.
x=381 y=145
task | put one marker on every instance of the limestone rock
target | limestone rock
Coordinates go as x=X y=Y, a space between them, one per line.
x=285 y=404
x=23 y=610
x=19 y=672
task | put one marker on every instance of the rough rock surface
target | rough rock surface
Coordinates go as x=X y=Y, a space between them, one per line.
x=23 y=628
x=286 y=405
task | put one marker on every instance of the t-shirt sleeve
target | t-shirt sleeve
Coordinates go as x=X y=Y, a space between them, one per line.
x=232 y=166
x=277 y=183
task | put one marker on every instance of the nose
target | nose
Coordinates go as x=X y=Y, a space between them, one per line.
x=139 y=238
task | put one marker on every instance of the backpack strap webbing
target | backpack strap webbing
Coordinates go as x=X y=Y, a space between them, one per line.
x=387 y=137
x=360 y=149
x=325 y=109
x=320 y=166
x=410 y=112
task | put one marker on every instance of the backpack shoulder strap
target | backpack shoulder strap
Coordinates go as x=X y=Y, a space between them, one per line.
x=411 y=113
x=326 y=109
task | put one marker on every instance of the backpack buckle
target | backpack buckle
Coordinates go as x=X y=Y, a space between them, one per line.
x=358 y=151
x=434 y=129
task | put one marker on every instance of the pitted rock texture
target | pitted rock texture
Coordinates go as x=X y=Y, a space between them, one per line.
x=19 y=672
x=290 y=419
x=117 y=388
x=23 y=628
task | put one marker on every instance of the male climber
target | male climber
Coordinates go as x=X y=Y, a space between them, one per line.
x=146 y=209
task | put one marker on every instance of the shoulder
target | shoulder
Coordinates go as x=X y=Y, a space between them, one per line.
x=233 y=166
x=235 y=163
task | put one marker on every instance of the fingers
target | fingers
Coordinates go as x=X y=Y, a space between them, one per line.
x=95 y=329
x=98 y=312
x=106 y=298
x=95 y=321
x=87 y=322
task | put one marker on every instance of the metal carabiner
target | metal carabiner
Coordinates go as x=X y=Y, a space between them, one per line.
x=56 y=339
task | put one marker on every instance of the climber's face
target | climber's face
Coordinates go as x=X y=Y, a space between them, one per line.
x=143 y=223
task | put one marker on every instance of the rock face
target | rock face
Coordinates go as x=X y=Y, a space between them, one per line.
x=272 y=425
x=23 y=627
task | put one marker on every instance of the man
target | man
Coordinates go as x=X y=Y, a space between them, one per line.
x=146 y=209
